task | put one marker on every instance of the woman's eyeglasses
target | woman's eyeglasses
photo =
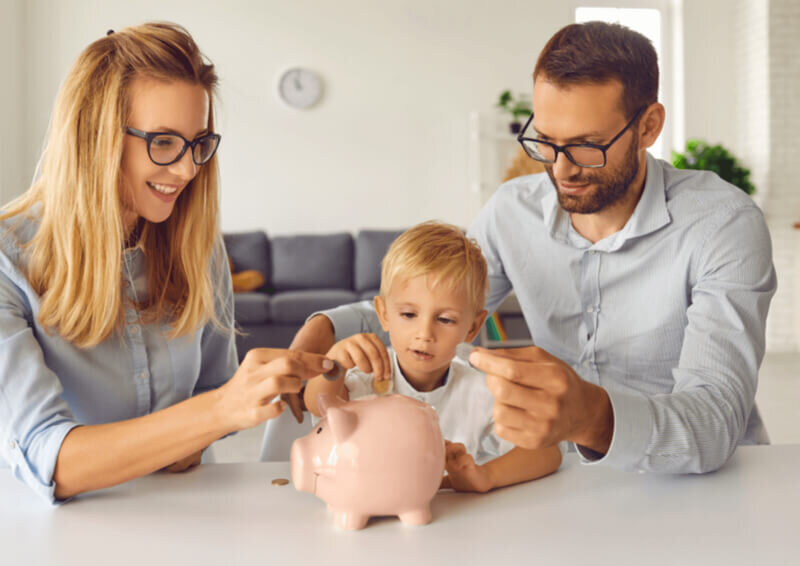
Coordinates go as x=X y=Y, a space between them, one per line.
x=165 y=148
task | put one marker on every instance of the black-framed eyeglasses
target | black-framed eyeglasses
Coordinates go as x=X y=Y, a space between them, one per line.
x=165 y=148
x=590 y=155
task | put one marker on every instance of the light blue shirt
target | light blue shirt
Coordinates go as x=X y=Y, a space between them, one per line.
x=48 y=386
x=668 y=314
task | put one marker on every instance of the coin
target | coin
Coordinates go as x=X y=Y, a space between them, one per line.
x=280 y=481
x=381 y=387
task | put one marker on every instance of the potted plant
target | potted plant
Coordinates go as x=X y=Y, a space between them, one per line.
x=519 y=108
x=700 y=155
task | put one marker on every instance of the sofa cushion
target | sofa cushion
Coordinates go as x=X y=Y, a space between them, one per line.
x=312 y=262
x=251 y=308
x=371 y=246
x=249 y=250
x=295 y=306
x=368 y=295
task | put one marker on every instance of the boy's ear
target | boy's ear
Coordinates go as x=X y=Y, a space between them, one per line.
x=380 y=309
x=480 y=318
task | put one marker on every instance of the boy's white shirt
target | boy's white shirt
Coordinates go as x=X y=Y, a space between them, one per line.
x=463 y=403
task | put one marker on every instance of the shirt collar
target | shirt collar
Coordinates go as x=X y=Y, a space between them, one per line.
x=403 y=387
x=650 y=214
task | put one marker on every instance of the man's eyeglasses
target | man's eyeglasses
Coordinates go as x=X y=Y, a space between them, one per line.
x=166 y=148
x=590 y=155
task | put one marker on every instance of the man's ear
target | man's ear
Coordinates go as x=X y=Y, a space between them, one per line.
x=380 y=310
x=651 y=124
x=480 y=318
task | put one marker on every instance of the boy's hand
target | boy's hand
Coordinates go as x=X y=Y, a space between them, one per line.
x=187 y=463
x=365 y=351
x=463 y=474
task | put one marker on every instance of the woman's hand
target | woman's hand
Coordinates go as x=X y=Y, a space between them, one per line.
x=365 y=351
x=265 y=373
x=463 y=474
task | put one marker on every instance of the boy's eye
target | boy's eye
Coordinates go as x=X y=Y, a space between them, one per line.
x=407 y=314
x=445 y=320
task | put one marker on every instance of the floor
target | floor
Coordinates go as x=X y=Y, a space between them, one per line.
x=778 y=399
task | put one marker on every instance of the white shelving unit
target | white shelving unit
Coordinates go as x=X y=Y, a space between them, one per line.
x=491 y=149
x=510 y=315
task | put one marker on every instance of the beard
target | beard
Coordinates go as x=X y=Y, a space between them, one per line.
x=611 y=185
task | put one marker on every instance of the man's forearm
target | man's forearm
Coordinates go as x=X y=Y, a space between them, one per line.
x=316 y=336
x=598 y=434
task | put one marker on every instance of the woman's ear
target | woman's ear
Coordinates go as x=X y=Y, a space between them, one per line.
x=380 y=310
x=475 y=327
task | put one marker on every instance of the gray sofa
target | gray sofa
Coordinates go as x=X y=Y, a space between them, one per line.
x=304 y=273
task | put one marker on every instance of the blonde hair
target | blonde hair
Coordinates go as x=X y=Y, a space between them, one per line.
x=75 y=262
x=442 y=252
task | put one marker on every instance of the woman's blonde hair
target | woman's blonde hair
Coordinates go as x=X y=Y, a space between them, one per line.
x=75 y=261
x=444 y=254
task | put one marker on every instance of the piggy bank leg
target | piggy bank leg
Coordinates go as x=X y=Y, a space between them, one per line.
x=417 y=516
x=349 y=521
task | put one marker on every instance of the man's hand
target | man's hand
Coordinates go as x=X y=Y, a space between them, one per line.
x=540 y=400
x=463 y=474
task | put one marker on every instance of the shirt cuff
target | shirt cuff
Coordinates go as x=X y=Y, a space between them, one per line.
x=633 y=428
x=35 y=469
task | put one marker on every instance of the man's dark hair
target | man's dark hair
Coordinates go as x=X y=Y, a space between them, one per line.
x=597 y=52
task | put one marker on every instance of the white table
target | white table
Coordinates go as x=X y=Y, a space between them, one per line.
x=747 y=513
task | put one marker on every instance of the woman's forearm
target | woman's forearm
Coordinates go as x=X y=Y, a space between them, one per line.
x=99 y=456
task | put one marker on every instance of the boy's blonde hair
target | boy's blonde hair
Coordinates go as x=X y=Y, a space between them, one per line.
x=75 y=260
x=442 y=252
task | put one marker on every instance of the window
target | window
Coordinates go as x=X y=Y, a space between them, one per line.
x=650 y=23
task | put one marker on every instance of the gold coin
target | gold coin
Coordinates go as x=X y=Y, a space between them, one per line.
x=280 y=481
x=381 y=387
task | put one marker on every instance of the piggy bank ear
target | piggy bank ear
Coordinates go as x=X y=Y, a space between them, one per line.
x=342 y=423
x=325 y=401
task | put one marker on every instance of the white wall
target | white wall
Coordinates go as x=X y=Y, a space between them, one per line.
x=387 y=146
x=11 y=96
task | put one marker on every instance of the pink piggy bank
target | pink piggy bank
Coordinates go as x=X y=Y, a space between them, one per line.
x=376 y=456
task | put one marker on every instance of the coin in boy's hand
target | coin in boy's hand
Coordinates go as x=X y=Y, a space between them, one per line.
x=381 y=387
x=280 y=481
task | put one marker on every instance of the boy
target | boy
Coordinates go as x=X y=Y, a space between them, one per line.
x=433 y=288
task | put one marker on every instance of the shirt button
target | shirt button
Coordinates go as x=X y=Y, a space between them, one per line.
x=590 y=308
x=587 y=364
x=142 y=375
x=135 y=330
x=12 y=444
x=132 y=316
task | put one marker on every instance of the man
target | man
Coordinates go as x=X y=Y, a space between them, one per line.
x=645 y=288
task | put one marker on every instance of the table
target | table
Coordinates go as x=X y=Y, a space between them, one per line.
x=746 y=513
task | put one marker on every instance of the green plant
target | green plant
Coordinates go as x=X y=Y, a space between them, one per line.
x=519 y=108
x=700 y=155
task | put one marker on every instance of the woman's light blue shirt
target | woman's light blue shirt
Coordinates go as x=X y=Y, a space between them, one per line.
x=48 y=386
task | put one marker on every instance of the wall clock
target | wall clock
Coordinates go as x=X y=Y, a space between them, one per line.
x=299 y=87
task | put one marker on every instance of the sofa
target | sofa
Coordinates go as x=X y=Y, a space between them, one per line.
x=303 y=274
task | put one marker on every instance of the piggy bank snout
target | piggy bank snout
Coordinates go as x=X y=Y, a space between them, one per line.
x=301 y=471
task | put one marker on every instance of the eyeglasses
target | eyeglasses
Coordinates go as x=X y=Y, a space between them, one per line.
x=166 y=148
x=590 y=155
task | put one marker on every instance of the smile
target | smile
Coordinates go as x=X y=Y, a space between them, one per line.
x=163 y=189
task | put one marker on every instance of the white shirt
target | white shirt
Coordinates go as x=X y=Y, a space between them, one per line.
x=668 y=315
x=463 y=403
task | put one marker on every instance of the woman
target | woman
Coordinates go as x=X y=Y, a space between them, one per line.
x=117 y=352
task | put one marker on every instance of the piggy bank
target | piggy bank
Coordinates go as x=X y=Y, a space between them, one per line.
x=374 y=456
